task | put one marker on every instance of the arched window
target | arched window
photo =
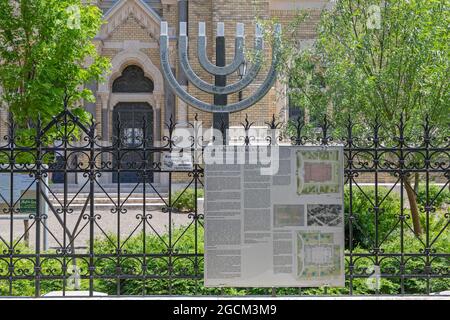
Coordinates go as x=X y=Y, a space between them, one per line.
x=133 y=80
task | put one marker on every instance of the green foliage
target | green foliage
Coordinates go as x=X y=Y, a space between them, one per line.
x=375 y=60
x=389 y=231
x=184 y=241
x=363 y=202
x=399 y=65
x=134 y=245
x=184 y=200
x=438 y=195
x=412 y=265
x=46 y=56
x=372 y=59
x=25 y=266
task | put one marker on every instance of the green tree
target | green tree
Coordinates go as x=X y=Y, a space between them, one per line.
x=376 y=59
x=47 y=56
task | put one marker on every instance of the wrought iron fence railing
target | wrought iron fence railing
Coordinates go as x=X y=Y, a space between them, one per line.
x=101 y=234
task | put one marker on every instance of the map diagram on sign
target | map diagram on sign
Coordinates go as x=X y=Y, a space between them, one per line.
x=318 y=256
x=318 y=172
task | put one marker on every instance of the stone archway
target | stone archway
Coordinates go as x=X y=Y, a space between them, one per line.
x=133 y=56
x=109 y=99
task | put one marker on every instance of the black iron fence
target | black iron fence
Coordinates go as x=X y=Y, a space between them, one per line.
x=146 y=237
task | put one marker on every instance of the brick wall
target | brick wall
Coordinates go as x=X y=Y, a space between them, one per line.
x=200 y=11
x=307 y=29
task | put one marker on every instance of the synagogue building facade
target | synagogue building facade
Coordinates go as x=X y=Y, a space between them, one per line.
x=135 y=86
x=135 y=90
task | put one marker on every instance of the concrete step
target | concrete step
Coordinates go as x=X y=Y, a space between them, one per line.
x=133 y=195
x=132 y=192
x=134 y=201
x=105 y=203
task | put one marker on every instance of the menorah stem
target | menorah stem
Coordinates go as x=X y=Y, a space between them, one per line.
x=182 y=78
x=220 y=119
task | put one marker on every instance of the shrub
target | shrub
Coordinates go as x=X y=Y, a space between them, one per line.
x=184 y=241
x=184 y=267
x=25 y=266
x=184 y=200
x=412 y=265
x=364 y=226
x=438 y=195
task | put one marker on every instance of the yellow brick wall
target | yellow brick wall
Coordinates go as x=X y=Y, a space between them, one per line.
x=130 y=29
x=4 y=124
x=170 y=14
x=307 y=29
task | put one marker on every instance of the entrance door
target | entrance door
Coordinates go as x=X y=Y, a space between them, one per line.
x=132 y=117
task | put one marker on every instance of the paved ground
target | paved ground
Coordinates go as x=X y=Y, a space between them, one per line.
x=108 y=223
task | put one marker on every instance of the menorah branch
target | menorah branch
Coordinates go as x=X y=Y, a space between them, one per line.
x=211 y=88
x=263 y=89
x=239 y=57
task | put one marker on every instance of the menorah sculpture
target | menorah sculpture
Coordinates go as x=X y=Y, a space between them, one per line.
x=238 y=60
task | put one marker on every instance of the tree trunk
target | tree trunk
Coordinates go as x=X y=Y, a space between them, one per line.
x=26 y=236
x=414 y=207
x=416 y=182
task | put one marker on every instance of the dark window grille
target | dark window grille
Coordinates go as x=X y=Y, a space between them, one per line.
x=133 y=80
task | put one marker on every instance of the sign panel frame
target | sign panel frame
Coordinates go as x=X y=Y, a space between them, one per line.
x=280 y=230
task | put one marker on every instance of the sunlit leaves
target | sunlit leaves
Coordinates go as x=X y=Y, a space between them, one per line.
x=43 y=58
x=367 y=69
